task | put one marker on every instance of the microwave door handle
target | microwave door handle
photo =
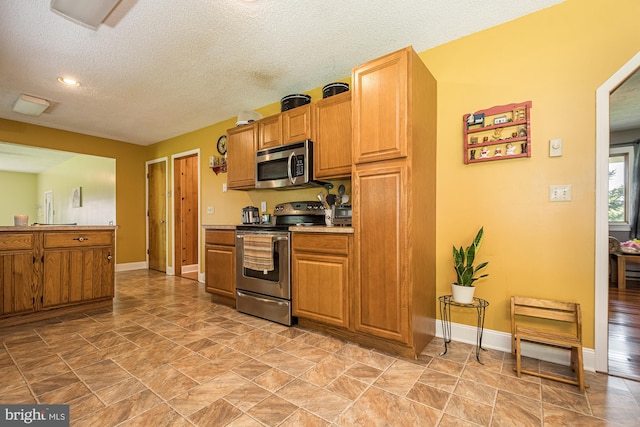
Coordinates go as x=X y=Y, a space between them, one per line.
x=292 y=179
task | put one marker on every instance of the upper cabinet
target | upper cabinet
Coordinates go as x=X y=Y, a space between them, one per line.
x=242 y=143
x=289 y=126
x=270 y=132
x=380 y=105
x=331 y=134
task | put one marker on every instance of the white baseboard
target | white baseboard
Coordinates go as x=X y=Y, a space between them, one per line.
x=201 y=277
x=170 y=271
x=497 y=340
x=131 y=266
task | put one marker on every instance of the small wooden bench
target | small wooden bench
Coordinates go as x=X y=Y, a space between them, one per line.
x=551 y=312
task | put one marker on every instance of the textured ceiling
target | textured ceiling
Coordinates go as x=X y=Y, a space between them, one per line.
x=160 y=68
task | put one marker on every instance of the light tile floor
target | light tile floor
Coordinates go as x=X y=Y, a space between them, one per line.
x=167 y=356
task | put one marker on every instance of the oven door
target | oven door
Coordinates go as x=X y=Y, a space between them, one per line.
x=275 y=283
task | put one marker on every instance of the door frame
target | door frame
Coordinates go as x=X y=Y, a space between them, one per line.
x=48 y=213
x=601 y=315
x=166 y=208
x=173 y=213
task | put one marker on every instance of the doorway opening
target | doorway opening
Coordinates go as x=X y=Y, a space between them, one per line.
x=186 y=218
x=601 y=211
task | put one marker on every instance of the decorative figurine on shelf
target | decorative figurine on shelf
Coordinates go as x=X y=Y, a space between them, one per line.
x=472 y=155
x=519 y=114
x=497 y=134
x=524 y=147
x=484 y=153
x=474 y=140
x=511 y=149
x=475 y=119
x=514 y=134
x=522 y=131
x=485 y=139
x=498 y=152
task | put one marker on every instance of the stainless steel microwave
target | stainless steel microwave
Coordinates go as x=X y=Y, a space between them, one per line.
x=288 y=165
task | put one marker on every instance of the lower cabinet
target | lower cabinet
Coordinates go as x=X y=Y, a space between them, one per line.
x=17 y=275
x=48 y=273
x=220 y=266
x=321 y=276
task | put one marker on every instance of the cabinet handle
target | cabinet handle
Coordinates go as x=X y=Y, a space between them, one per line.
x=80 y=239
x=109 y=257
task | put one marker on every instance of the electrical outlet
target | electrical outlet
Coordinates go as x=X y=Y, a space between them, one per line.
x=560 y=193
x=210 y=210
x=263 y=206
x=224 y=187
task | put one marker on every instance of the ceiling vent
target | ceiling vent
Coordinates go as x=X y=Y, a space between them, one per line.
x=89 y=13
x=30 y=105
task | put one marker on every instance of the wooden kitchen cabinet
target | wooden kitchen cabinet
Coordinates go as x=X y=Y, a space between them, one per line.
x=285 y=128
x=296 y=124
x=46 y=273
x=242 y=143
x=381 y=102
x=270 y=132
x=331 y=135
x=220 y=266
x=321 y=277
x=17 y=273
x=394 y=194
x=78 y=267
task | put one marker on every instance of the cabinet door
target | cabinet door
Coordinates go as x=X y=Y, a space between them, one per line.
x=380 y=107
x=331 y=120
x=296 y=124
x=16 y=283
x=77 y=275
x=270 y=132
x=381 y=294
x=220 y=270
x=242 y=143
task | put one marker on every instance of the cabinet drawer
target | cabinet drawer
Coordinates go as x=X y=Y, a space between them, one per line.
x=321 y=243
x=216 y=237
x=74 y=239
x=16 y=241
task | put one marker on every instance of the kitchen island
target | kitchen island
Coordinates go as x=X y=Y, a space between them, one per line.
x=51 y=270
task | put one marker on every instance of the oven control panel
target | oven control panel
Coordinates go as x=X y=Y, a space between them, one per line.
x=299 y=208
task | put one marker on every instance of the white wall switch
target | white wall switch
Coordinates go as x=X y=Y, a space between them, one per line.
x=263 y=206
x=560 y=193
x=210 y=210
x=224 y=187
x=555 y=147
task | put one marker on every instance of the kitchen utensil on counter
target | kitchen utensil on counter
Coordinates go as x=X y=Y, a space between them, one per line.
x=340 y=193
x=324 y=204
x=331 y=199
x=250 y=215
x=345 y=199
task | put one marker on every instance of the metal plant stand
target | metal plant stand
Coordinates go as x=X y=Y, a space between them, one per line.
x=446 y=301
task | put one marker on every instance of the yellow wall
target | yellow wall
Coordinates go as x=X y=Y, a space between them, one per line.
x=556 y=58
x=21 y=190
x=130 y=182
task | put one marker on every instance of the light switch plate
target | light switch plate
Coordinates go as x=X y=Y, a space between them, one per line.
x=555 y=147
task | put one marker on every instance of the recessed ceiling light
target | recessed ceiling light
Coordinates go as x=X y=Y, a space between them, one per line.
x=68 y=81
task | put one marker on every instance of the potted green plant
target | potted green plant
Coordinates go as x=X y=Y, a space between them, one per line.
x=463 y=288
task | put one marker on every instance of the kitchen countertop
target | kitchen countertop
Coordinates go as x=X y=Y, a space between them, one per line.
x=294 y=228
x=56 y=227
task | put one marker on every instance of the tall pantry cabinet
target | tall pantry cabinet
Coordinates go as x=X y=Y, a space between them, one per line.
x=394 y=189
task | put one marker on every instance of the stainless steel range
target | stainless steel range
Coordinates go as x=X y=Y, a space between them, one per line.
x=263 y=261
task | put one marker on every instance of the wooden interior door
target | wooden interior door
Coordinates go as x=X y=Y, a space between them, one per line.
x=186 y=215
x=157 y=215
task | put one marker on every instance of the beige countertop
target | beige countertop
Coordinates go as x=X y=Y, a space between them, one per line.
x=56 y=227
x=295 y=228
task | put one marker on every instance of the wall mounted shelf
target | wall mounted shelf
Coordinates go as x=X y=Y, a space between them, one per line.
x=497 y=133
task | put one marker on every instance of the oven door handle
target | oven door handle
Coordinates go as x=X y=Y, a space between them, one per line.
x=241 y=236
x=265 y=300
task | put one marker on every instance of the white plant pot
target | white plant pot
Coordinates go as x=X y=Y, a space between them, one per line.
x=462 y=294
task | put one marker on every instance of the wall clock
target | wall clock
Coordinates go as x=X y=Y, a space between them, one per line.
x=222 y=145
